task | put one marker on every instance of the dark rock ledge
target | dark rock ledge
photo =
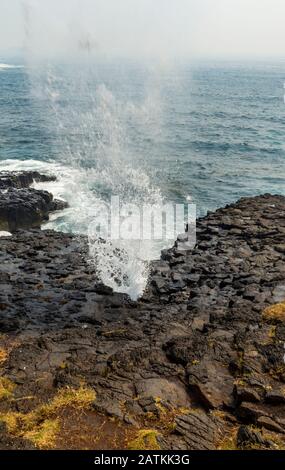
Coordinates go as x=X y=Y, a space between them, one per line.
x=22 y=179
x=22 y=206
x=197 y=359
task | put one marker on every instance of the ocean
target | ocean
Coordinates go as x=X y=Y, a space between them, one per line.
x=207 y=133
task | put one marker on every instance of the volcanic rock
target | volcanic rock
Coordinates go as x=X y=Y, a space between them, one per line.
x=22 y=207
x=22 y=179
x=192 y=357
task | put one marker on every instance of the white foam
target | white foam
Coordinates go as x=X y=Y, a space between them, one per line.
x=5 y=234
x=10 y=66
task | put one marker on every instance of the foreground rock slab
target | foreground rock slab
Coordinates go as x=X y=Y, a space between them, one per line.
x=195 y=360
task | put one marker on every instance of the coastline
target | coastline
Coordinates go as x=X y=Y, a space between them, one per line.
x=195 y=364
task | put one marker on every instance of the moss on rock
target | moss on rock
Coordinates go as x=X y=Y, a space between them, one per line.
x=146 y=439
x=6 y=388
x=42 y=425
x=275 y=313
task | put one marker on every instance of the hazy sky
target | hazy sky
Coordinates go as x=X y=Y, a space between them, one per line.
x=164 y=28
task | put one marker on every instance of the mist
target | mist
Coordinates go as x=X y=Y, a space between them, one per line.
x=138 y=29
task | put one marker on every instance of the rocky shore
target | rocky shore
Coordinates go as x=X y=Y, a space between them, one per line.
x=196 y=363
x=24 y=207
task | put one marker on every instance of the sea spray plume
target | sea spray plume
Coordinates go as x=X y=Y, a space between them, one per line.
x=122 y=264
x=91 y=129
x=96 y=131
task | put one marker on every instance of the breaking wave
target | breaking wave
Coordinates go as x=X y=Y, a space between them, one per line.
x=9 y=66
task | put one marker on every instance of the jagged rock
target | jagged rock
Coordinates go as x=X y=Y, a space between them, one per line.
x=162 y=389
x=248 y=438
x=199 y=324
x=211 y=384
x=26 y=208
x=275 y=397
x=246 y=394
x=21 y=207
x=199 y=430
x=251 y=412
x=268 y=423
x=183 y=350
x=22 y=179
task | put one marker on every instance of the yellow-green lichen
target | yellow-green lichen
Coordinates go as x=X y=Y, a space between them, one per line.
x=6 y=388
x=275 y=313
x=42 y=425
x=146 y=439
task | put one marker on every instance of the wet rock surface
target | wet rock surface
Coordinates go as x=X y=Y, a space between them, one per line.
x=22 y=179
x=22 y=207
x=195 y=352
